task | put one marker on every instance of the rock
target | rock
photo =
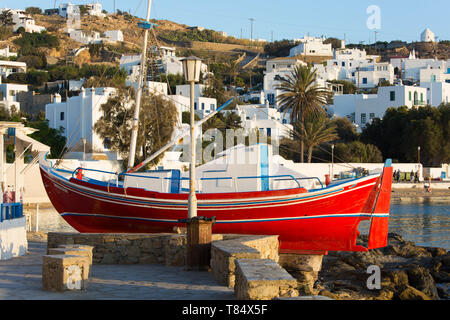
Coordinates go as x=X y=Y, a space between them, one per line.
x=398 y=278
x=411 y=293
x=306 y=282
x=441 y=276
x=443 y=290
x=344 y=284
x=328 y=294
x=385 y=294
x=421 y=279
x=436 y=252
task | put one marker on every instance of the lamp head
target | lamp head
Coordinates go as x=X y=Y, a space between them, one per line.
x=191 y=68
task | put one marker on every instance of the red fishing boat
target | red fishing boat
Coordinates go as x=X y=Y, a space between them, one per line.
x=323 y=219
x=269 y=199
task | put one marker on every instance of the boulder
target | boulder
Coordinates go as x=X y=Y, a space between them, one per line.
x=411 y=293
x=421 y=279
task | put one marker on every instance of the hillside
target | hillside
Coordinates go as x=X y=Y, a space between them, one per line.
x=167 y=33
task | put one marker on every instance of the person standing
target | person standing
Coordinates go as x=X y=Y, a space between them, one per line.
x=412 y=176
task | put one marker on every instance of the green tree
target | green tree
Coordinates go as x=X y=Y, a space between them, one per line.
x=33 y=10
x=52 y=137
x=6 y=18
x=157 y=121
x=301 y=96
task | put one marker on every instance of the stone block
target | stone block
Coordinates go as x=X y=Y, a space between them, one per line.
x=65 y=272
x=262 y=279
x=89 y=249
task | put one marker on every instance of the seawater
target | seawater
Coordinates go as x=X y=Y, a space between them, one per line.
x=425 y=224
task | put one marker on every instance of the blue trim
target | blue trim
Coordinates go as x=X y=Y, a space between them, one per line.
x=235 y=221
x=264 y=157
x=388 y=163
x=9 y=211
x=175 y=183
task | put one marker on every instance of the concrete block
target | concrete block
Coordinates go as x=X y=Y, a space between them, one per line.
x=262 y=279
x=65 y=272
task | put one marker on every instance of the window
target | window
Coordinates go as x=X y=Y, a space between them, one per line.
x=363 y=118
x=421 y=97
x=343 y=63
x=371 y=116
x=61 y=116
x=392 y=95
x=195 y=105
x=269 y=132
x=203 y=106
x=284 y=121
x=409 y=96
x=364 y=81
x=213 y=107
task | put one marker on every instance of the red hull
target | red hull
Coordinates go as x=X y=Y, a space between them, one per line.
x=323 y=220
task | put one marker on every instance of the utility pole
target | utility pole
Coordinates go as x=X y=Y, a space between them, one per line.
x=271 y=35
x=241 y=33
x=251 y=28
x=114 y=7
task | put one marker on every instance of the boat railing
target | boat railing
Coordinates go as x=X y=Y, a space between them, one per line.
x=285 y=177
x=9 y=211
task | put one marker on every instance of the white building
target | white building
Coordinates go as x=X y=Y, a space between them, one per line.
x=8 y=95
x=267 y=120
x=275 y=70
x=22 y=19
x=95 y=9
x=363 y=108
x=78 y=116
x=66 y=9
x=86 y=37
x=311 y=46
x=8 y=67
x=356 y=66
x=6 y=53
x=437 y=92
x=168 y=62
x=113 y=36
x=427 y=36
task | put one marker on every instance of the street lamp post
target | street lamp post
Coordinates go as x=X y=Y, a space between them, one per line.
x=198 y=228
x=418 y=154
x=332 y=162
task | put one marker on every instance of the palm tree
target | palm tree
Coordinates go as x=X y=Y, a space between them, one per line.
x=233 y=71
x=301 y=96
x=315 y=131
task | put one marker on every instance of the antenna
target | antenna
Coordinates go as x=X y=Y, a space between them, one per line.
x=251 y=32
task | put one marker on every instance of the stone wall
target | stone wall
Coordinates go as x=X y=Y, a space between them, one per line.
x=168 y=249
x=224 y=253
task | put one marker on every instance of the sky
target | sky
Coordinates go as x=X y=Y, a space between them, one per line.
x=289 y=19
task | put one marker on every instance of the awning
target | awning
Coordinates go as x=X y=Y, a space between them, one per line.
x=35 y=145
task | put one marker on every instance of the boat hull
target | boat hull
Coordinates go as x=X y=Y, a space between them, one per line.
x=323 y=220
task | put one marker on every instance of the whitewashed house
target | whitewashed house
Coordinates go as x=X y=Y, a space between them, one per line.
x=363 y=108
x=6 y=53
x=22 y=19
x=437 y=92
x=85 y=37
x=311 y=46
x=113 y=36
x=95 y=9
x=78 y=115
x=275 y=70
x=66 y=9
x=8 y=67
x=8 y=95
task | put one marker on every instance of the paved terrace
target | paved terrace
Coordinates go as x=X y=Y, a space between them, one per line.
x=21 y=279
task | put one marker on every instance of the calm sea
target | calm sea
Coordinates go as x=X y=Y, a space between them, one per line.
x=425 y=224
